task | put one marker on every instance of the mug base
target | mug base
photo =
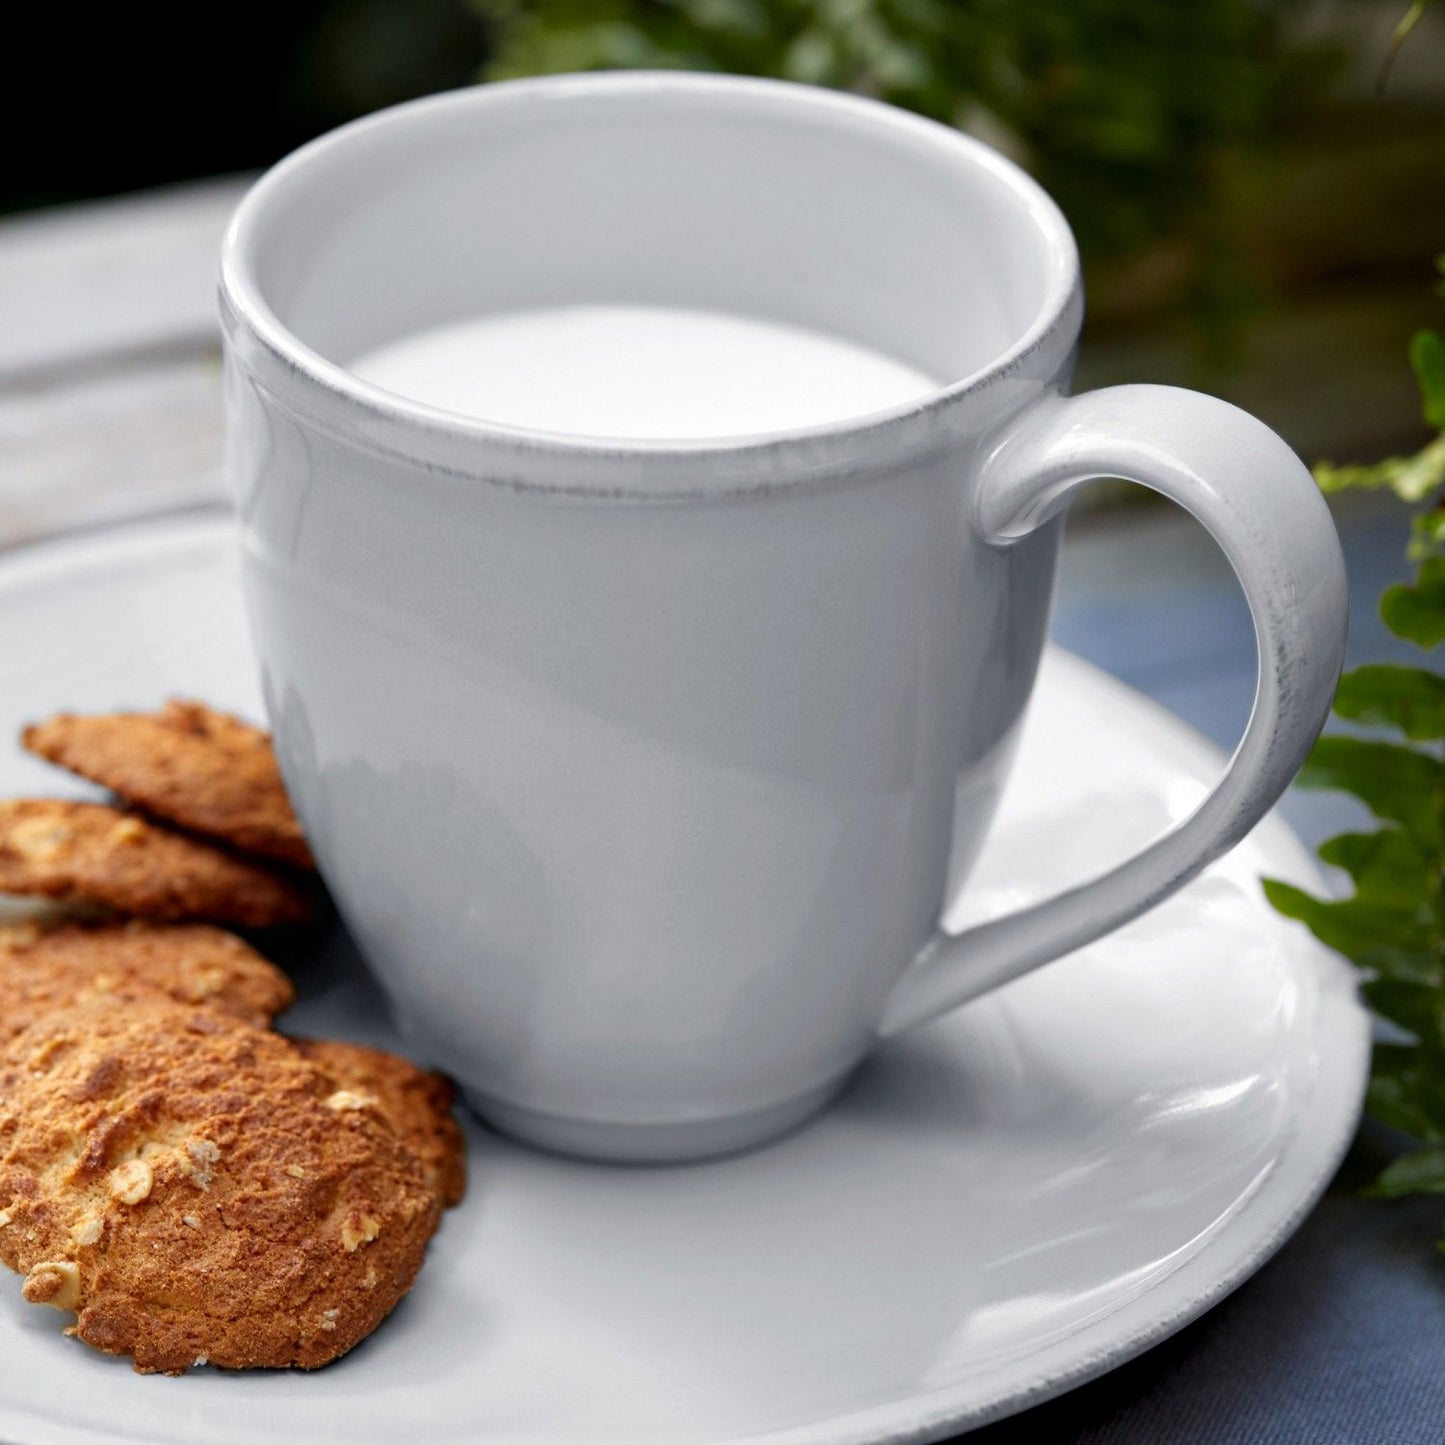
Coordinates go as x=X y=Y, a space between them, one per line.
x=676 y=1142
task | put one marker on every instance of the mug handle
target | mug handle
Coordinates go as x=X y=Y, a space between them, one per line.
x=1260 y=504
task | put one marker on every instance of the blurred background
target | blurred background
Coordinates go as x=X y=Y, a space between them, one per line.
x=1257 y=214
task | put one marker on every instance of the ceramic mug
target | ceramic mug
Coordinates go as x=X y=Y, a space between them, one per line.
x=633 y=766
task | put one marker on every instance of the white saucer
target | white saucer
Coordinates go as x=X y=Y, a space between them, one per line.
x=1002 y=1206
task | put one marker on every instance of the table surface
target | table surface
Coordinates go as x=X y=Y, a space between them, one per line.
x=110 y=408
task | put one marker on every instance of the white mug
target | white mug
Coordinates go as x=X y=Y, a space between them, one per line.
x=632 y=765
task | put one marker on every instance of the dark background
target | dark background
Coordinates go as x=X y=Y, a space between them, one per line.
x=111 y=98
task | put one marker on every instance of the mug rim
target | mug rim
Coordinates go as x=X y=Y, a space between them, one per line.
x=325 y=394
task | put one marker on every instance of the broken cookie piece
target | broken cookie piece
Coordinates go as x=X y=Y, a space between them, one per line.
x=180 y=1180
x=91 y=853
x=204 y=770
x=417 y=1104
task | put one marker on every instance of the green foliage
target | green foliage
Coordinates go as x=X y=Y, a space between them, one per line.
x=1392 y=926
x=1375 y=935
x=1417 y=478
x=1408 y=698
x=1412 y=478
x=1398 y=784
x=1135 y=114
x=1408 y=21
x=1416 y=611
x=1404 y=1096
x=1420 y=1173
x=1427 y=356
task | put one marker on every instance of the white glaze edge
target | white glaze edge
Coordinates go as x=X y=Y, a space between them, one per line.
x=524 y=459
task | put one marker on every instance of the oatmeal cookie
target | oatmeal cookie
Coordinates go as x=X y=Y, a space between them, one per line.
x=204 y=770
x=45 y=967
x=417 y=1104
x=91 y=853
x=187 y=1185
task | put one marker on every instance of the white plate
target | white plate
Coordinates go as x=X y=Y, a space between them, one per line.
x=1002 y=1206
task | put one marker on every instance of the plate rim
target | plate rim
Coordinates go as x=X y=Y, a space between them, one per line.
x=1318 y=1133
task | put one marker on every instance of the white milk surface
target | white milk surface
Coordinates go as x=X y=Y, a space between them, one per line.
x=651 y=372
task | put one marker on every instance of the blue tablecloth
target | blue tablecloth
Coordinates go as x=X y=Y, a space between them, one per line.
x=1340 y=1339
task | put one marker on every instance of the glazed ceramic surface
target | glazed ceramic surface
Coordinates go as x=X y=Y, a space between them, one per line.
x=638 y=769
x=1001 y=1205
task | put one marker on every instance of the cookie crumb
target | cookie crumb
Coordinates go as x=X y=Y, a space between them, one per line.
x=40 y=838
x=53 y=1282
x=131 y=1182
x=357 y=1230
x=203 y=1154
x=127 y=830
x=88 y=1231
x=345 y=1099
